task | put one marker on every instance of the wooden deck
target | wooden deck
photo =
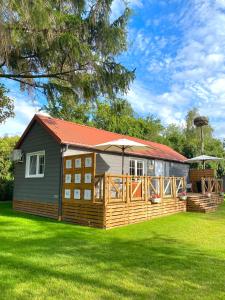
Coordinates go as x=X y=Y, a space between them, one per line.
x=122 y=199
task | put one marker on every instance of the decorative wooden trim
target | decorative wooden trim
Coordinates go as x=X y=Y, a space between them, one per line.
x=82 y=170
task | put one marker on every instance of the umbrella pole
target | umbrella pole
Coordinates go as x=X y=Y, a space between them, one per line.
x=203 y=163
x=123 y=149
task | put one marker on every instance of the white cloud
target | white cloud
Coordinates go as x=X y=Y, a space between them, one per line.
x=195 y=74
x=167 y=106
x=24 y=111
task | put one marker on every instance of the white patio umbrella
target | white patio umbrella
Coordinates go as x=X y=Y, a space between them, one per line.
x=122 y=145
x=203 y=159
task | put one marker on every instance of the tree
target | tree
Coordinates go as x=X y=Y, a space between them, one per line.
x=6 y=105
x=6 y=166
x=64 y=48
x=118 y=116
x=113 y=116
x=174 y=137
x=68 y=108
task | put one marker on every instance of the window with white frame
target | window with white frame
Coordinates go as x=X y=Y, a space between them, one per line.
x=35 y=164
x=136 y=167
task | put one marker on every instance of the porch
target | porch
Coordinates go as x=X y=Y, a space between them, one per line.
x=109 y=200
x=122 y=199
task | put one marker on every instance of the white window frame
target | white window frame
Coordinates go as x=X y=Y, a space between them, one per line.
x=28 y=155
x=136 y=161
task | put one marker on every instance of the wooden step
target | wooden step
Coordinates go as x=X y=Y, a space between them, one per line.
x=200 y=203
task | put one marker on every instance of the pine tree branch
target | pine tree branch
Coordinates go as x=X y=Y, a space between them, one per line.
x=51 y=75
x=33 y=85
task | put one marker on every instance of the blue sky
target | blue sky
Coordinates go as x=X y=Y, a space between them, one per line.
x=178 y=50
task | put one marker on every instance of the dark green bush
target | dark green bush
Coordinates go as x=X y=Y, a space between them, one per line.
x=6 y=190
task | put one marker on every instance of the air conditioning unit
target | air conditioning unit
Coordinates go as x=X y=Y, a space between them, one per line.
x=17 y=155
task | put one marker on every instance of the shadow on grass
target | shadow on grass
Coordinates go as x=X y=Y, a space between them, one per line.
x=106 y=264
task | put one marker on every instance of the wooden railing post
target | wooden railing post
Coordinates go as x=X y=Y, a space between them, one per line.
x=161 y=187
x=146 y=188
x=174 y=187
x=203 y=185
x=210 y=185
x=128 y=188
x=105 y=189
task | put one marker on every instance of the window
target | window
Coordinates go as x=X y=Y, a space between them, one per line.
x=132 y=167
x=140 y=168
x=35 y=164
x=151 y=167
x=68 y=164
x=136 y=167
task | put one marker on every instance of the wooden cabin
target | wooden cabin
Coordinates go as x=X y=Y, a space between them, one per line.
x=59 y=174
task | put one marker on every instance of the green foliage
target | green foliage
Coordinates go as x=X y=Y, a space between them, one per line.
x=69 y=108
x=187 y=141
x=6 y=167
x=68 y=49
x=6 y=105
x=174 y=257
x=114 y=115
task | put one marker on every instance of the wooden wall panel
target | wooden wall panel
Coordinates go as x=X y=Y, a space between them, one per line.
x=119 y=214
x=196 y=175
x=44 y=209
x=89 y=214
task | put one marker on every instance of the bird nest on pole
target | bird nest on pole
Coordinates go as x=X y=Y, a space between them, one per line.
x=201 y=121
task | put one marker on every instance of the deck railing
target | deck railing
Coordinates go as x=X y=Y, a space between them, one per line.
x=211 y=185
x=124 y=188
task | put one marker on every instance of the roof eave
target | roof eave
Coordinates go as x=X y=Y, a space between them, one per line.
x=126 y=153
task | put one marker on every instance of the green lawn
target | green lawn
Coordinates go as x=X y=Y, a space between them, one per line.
x=176 y=257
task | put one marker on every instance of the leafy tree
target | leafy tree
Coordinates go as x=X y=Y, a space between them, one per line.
x=147 y=128
x=6 y=105
x=174 y=137
x=118 y=116
x=6 y=167
x=69 y=108
x=64 y=48
x=113 y=116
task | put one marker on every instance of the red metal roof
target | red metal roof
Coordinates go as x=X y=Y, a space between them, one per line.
x=75 y=134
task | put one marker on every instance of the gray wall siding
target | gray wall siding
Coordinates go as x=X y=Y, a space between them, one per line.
x=44 y=189
x=179 y=170
x=111 y=163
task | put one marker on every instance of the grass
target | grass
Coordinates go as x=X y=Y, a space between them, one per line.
x=176 y=257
